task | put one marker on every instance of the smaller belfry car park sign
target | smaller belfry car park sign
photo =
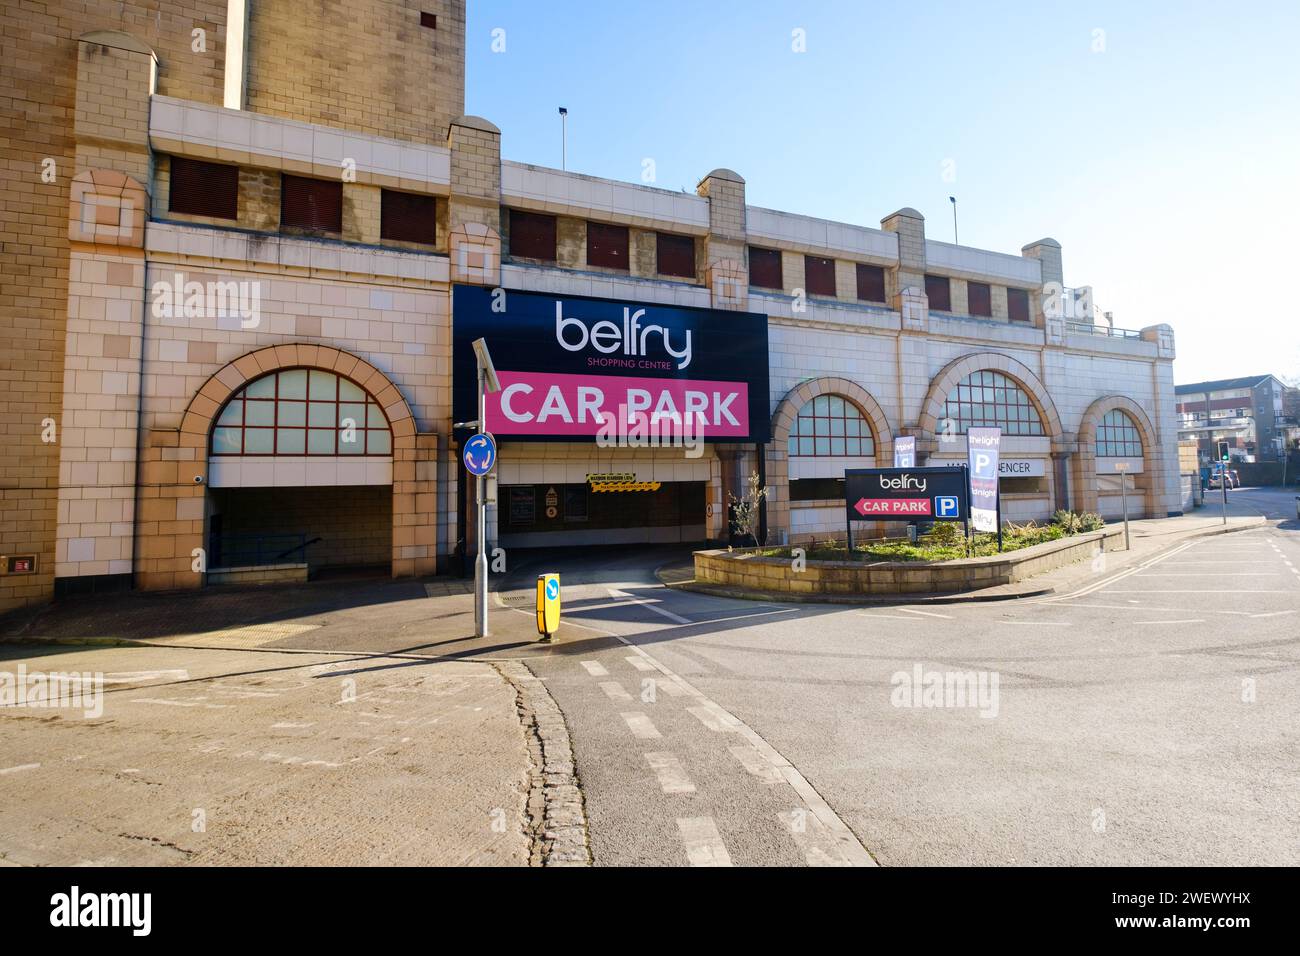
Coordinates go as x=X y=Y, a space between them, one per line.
x=906 y=494
x=582 y=369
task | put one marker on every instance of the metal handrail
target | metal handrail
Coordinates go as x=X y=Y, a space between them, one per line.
x=1087 y=328
x=256 y=550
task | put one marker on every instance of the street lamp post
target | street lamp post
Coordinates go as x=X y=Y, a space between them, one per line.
x=487 y=382
x=953 y=200
x=564 y=138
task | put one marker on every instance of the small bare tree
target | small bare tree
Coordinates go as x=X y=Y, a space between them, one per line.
x=746 y=510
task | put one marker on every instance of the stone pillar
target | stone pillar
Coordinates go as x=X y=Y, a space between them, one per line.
x=1164 y=487
x=474 y=250
x=474 y=207
x=726 y=256
x=116 y=75
x=1065 y=452
x=415 y=511
x=908 y=278
x=108 y=207
x=1048 y=254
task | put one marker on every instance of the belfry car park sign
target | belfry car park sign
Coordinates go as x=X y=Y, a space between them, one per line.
x=582 y=369
x=906 y=494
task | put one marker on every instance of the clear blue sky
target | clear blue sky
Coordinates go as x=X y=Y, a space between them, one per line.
x=1164 y=163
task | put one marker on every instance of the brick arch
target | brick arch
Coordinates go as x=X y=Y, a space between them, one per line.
x=795 y=399
x=1085 y=468
x=219 y=388
x=172 y=521
x=956 y=370
x=778 y=464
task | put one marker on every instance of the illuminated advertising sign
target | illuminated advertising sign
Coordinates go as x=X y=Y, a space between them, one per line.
x=579 y=369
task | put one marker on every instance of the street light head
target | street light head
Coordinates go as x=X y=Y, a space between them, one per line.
x=485 y=363
x=953 y=200
x=563 y=111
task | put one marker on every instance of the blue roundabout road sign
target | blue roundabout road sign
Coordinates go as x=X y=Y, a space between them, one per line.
x=480 y=455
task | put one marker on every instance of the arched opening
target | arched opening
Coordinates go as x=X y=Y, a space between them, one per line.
x=1116 y=437
x=300 y=465
x=993 y=390
x=820 y=429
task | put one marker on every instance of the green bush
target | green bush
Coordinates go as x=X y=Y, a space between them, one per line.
x=1078 y=522
x=945 y=534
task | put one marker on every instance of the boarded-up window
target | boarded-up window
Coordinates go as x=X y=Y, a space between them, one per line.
x=1018 y=305
x=765 y=268
x=940 y=294
x=408 y=217
x=204 y=189
x=871 y=283
x=313 y=205
x=676 y=255
x=819 y=275
x=979 y=298
x=532 y=235
x=606 y=245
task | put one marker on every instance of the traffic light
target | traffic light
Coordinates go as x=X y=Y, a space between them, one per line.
x=1223 y=451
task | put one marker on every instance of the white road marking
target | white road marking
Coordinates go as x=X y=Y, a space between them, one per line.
x=884 y=617
x=756 y=763
x=127 y=677
x=1212 y=574
x=641 y=726
x=1107 y=582
x=818 y=846
x=1136 y=606
x=638 y=663
x=1274 y=613
x=1194 y=620
x=595 y=669
x=180 y=703
x=670 y=773
x=849 y=846
x=844 y=839
x=671 y=687
x=1215 y=563
x=908 y=610
x=21 y=766
x=1200 y=591
x=650 y=605
x=704 y=845
x=288 y=725
x=1039 y=623
x=713 y=718
x=614 y=690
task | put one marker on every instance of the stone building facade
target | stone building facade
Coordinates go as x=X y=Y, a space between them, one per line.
x=207 y=221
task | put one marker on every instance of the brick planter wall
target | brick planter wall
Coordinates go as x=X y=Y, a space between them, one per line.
x=746 y=569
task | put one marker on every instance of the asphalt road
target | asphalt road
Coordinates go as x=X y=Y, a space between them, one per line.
x=1152 y=718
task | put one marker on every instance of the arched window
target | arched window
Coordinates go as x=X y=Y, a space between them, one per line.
x=1118 y=436
x=302 y=411
x=831 y=426
x=991 y=399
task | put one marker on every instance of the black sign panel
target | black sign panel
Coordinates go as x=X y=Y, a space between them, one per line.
x=906 y=494
x=573 y=368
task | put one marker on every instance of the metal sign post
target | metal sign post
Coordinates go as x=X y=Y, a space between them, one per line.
x=1224 y=457
x=481 y=458
x=1122 y=468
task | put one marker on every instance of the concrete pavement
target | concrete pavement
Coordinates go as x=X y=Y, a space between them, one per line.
x=215 y=757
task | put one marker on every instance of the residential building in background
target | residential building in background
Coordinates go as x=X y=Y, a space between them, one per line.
x=1249 y=413
x=239 y=284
